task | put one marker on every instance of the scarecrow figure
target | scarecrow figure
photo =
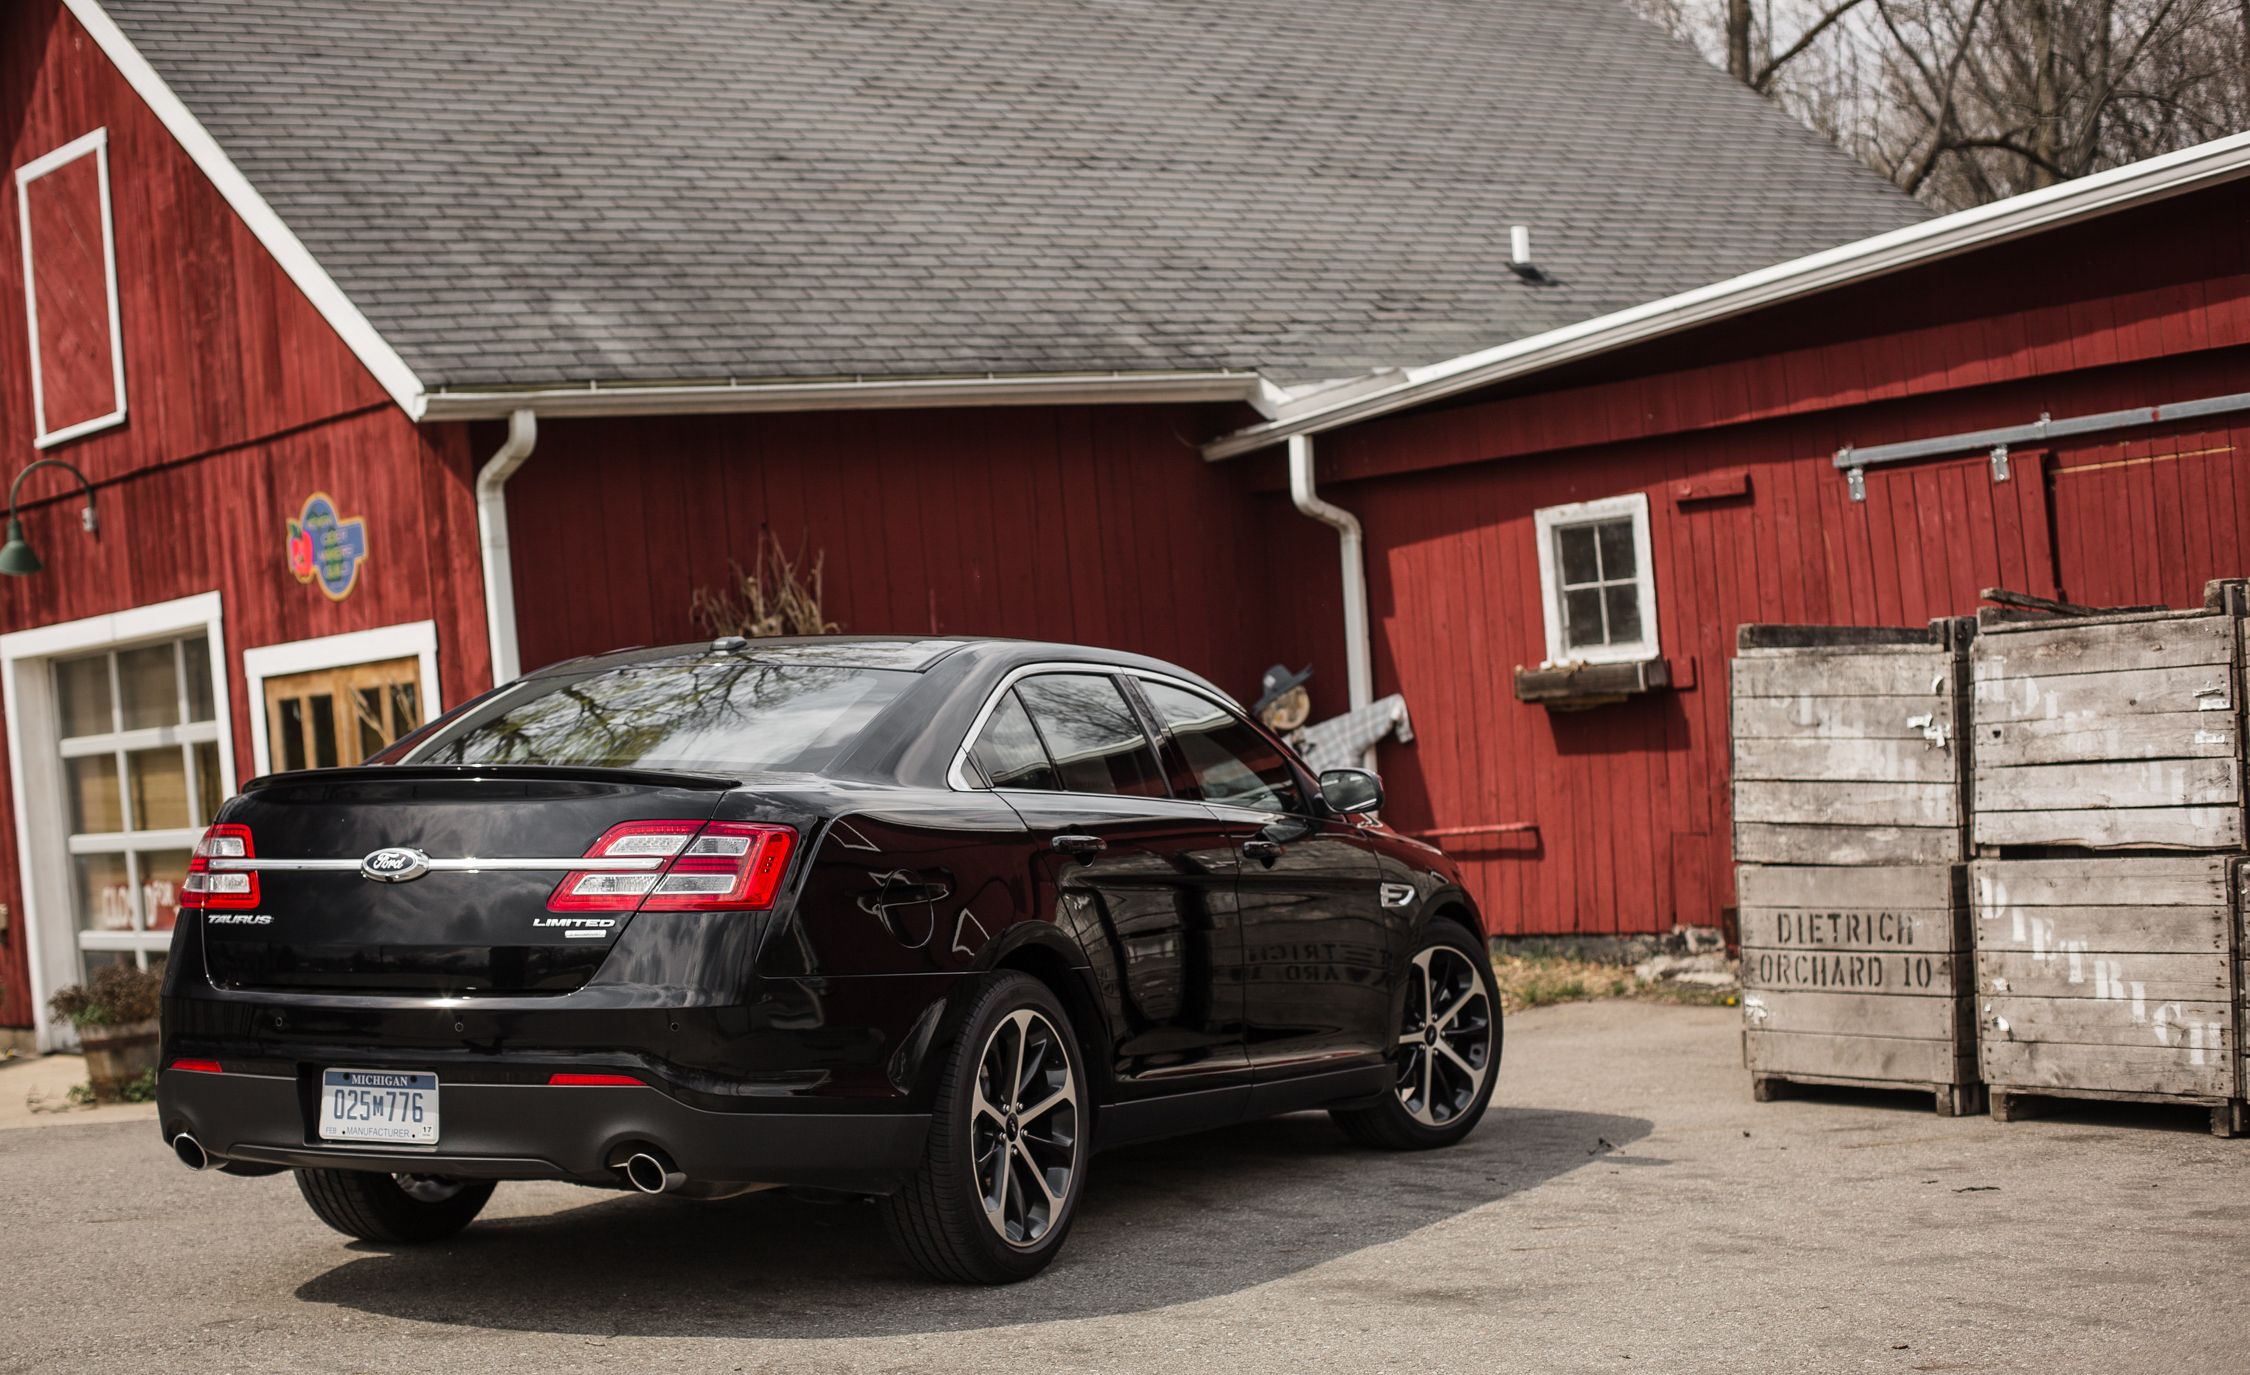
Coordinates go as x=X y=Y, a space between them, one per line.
x=1285 y=706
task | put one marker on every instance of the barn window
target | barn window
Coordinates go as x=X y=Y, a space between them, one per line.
x=70 y=290
x=1598 y=587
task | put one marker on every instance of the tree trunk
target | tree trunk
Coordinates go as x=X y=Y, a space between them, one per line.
x=2046 y=96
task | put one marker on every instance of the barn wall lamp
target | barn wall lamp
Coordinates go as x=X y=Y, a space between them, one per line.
x=16 y=556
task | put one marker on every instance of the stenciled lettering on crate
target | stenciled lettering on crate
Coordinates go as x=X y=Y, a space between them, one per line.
x=1846 y=745
x=2105 y=732
x=1858 y=974
x=2109 y=975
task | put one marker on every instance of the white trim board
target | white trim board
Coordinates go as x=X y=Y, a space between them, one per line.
x=96 y=144
x=2070 y=202
x=1549 y=519
x=411 y=640
x=858 y=394
x=27 y=689
x=295 y=259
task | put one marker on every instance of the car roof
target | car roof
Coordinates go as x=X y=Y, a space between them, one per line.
x=908 y=653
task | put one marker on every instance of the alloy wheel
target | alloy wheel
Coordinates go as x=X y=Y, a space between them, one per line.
x=1445 y=1043
x=1023 y=1126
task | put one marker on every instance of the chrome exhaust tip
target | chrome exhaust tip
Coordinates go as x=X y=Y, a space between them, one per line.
x=191 y=1152
x=652 y=1173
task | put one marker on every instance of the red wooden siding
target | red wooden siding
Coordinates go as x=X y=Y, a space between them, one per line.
x=220 y=347
x=70 y=278
x=242 y=403
x=2153 y=283
x=1629 y=802
x=1100 y=526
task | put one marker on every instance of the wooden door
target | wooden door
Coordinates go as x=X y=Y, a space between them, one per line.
x=339 y=716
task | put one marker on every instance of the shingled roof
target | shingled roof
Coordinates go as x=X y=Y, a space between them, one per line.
x=523 y=193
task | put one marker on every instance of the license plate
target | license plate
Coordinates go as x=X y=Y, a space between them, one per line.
x=391 y=1106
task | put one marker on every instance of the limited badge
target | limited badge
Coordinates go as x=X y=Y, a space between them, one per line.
x=326 y=548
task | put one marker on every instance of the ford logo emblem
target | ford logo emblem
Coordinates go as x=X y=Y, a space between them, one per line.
x=394 y=864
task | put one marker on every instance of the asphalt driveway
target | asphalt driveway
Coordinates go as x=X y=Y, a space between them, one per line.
x=1625 y=1207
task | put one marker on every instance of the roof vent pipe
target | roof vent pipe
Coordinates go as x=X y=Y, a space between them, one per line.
x=492 y=541
x=1519 y=257
x=1359 y=678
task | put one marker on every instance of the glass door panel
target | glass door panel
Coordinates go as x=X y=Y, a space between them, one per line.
x=143 y=769
x=340 y=716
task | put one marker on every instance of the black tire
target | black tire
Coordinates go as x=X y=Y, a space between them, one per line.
x=378 y=1207
x=942 y=1221
x=1451 y=1100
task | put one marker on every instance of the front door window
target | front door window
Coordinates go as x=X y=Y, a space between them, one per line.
x=142 y=772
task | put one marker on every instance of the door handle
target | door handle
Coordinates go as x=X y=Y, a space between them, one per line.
x=1263 y=851
x=1078 y=847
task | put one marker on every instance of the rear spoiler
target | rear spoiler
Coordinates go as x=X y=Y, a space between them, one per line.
x=527 y=773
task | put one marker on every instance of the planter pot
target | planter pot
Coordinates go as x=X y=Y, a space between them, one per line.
x=116 y=1056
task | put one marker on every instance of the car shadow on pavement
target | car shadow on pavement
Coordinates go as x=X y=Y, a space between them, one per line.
x=1166 y=1223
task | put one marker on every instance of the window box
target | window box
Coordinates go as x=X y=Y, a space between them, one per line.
x=1571 y=687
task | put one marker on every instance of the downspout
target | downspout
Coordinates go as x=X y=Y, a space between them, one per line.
x=492 y=541
x=1359 y=677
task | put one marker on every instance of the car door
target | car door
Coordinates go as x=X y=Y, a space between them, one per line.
x=1320 y=952
x=1143 y=879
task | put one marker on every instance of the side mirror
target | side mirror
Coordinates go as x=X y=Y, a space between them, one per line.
x=1351 y=790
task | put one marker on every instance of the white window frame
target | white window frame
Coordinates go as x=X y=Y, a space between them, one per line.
x=1552 y=518
x=96 y=145
x=410 y=640
x=35 y=771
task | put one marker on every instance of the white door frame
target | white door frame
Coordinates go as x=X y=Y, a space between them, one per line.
x=35 y=770
x=411 y=640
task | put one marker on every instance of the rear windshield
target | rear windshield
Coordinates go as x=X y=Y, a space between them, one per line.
x=723 y=714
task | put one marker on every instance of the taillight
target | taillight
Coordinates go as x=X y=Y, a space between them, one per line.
x=199 y=1066
x=682 y=867
x=208 y=887
x=593 y=1081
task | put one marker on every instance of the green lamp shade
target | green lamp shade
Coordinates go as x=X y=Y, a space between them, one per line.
x=16 y=557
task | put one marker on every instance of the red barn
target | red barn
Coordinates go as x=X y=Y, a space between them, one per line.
x=2050 y=395
x=403 y=346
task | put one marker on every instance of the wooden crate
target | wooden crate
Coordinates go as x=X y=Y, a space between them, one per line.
x=2115 y=731
x=1846 y=744
x=1858 y=975
x=2110 y=977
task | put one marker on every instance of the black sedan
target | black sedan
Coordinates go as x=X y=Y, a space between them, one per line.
x=925 y=919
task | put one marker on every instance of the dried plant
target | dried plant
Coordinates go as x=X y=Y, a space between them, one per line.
x=777 y=595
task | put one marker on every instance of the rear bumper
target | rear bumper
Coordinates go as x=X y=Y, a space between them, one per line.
x=538 y=1131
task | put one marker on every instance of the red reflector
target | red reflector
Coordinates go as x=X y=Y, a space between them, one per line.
x=679 y=866
x=584 y=1081
x=198 y=1066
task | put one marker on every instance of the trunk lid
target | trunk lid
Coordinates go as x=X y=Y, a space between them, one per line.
x=448 y=931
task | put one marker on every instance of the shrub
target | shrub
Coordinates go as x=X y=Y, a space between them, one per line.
x=117 y=995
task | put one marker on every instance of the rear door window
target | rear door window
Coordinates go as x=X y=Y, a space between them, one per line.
x=1008 y=751
x=1227 y=761
x=1093 y=739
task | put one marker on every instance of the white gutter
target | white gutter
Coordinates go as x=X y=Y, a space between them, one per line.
x=1359 y=676
x=2066 y=203
x=844 y=394
x=492 y=541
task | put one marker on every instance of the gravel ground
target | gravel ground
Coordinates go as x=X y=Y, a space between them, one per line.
x=1625 y=1207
